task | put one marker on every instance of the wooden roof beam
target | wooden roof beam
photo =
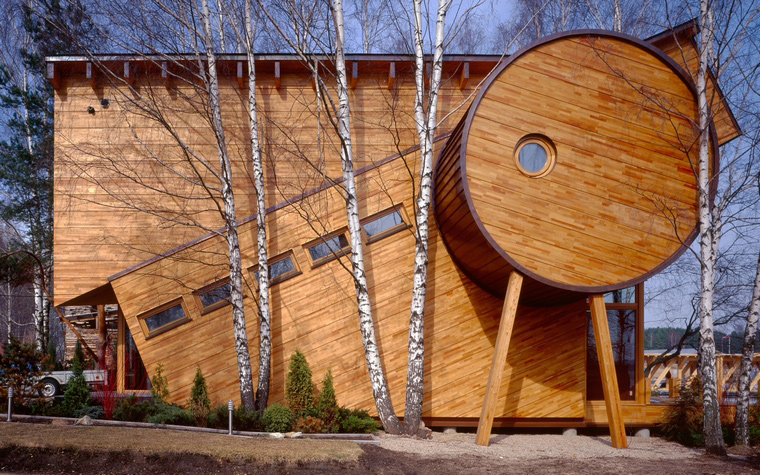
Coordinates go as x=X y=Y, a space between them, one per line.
x=392 y=75
x=52 y=76
x=354 y=74
x=165 y=79
x=464 y=75
x=90 y=74
x=240 y=79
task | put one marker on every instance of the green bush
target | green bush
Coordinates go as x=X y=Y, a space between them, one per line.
x=95 y=412
x=159 y=386
x=77 y=395
x=199 y=404
x=299 y=389
x=171 y=414
x=684 y=420
x=277 y=418
x=242 y=420
x=327 y=406
x=133 y=410
x=356 y=421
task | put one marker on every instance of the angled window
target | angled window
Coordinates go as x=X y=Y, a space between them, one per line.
x=384 y=223
x=213 y=296
x=163 y=318
x=281 y=267
x=329 y=247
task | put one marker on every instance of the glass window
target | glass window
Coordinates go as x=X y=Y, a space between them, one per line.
x=167 y=317
x=622 y=325
x=328 y=248
x=213 y=296
x=621 y=296
x=281 y=267
x=136 y=377
x=216 y=295
x=532 y=157
x=384 y=224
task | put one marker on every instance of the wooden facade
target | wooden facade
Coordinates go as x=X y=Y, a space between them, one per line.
x=129 y=231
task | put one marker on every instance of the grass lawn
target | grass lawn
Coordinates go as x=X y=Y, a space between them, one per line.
x=164 y=442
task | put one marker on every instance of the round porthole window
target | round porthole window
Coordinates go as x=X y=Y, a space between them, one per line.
x=535 y=155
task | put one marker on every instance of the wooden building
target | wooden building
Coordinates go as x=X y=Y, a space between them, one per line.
x=567 y=166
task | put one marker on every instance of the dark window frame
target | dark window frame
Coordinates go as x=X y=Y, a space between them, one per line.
x=344 y=251
x=166 y=327
x=254 y=269
x=203 y=309
x=390 y=231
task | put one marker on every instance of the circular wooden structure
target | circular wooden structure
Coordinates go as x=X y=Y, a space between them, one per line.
x=574 y=166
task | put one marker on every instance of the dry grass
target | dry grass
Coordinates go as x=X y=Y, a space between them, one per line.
x=159 y=441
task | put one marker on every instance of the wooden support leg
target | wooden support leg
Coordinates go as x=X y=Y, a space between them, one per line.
x=100 y=324
x=607 y=367
x=508 y=313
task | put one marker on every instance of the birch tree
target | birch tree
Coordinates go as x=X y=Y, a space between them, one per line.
x=425 y=119
x=748 y=353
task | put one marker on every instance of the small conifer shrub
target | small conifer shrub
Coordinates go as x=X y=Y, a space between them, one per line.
x=299 y=389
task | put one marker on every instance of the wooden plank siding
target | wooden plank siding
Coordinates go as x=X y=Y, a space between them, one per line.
x=545 y=371
x=106 y=161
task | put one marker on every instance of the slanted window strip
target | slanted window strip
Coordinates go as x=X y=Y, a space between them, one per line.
x=163 y=318
x=215 y=297
x=328 y=247
x=281 y=267
x=384 y=224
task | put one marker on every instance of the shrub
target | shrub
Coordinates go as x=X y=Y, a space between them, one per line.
x=199 y=403
x=170 y=414
x=95 y=412
x=299 y=389
x=309 y=424
x=327 y=405
x=684 y=419
x=356 y=421
x=277 y=418
x=159 y=386
x=77 y=395
x=132 y=409
x=243 y=420
x=20 y=369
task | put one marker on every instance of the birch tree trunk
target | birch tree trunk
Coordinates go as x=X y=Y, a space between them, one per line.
x=39 y=317
x=265 y=340
x=709 y=241
x=748 y=350
x=426 y=125
x=380 y=392
x=230 y=221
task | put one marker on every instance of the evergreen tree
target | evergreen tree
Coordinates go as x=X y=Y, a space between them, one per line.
x=50 y=27
x=299 y=388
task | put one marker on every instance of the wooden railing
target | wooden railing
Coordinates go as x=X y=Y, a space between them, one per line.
x=684 y=368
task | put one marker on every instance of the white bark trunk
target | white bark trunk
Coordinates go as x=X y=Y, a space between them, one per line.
x=426 y=125
x=39 y=317
x=748 y=350
x=265 y=340
x=228 y=197
x=366 y=324
x=709 y=240
x=617 y=17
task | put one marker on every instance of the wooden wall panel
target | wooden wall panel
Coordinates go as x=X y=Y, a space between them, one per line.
x=545 y=373
x=116 y=206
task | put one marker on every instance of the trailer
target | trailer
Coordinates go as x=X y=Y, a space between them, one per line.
x=54 y=382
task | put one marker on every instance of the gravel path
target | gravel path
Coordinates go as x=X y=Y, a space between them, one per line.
x=538 y=446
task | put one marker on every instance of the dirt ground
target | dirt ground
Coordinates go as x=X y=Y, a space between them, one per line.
x=445 y=454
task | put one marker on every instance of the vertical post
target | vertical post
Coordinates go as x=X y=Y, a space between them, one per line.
x=607 y=367
x=230 y=408
x=719 y=376
x=10 y=402
x=100 y=324
x=508 y=312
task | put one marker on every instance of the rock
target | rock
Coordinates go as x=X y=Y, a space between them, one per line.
x=642 y=433
x=84 y=421
x=276 y=435
x=293 y=435
x=570 y=432
x=450 y=430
